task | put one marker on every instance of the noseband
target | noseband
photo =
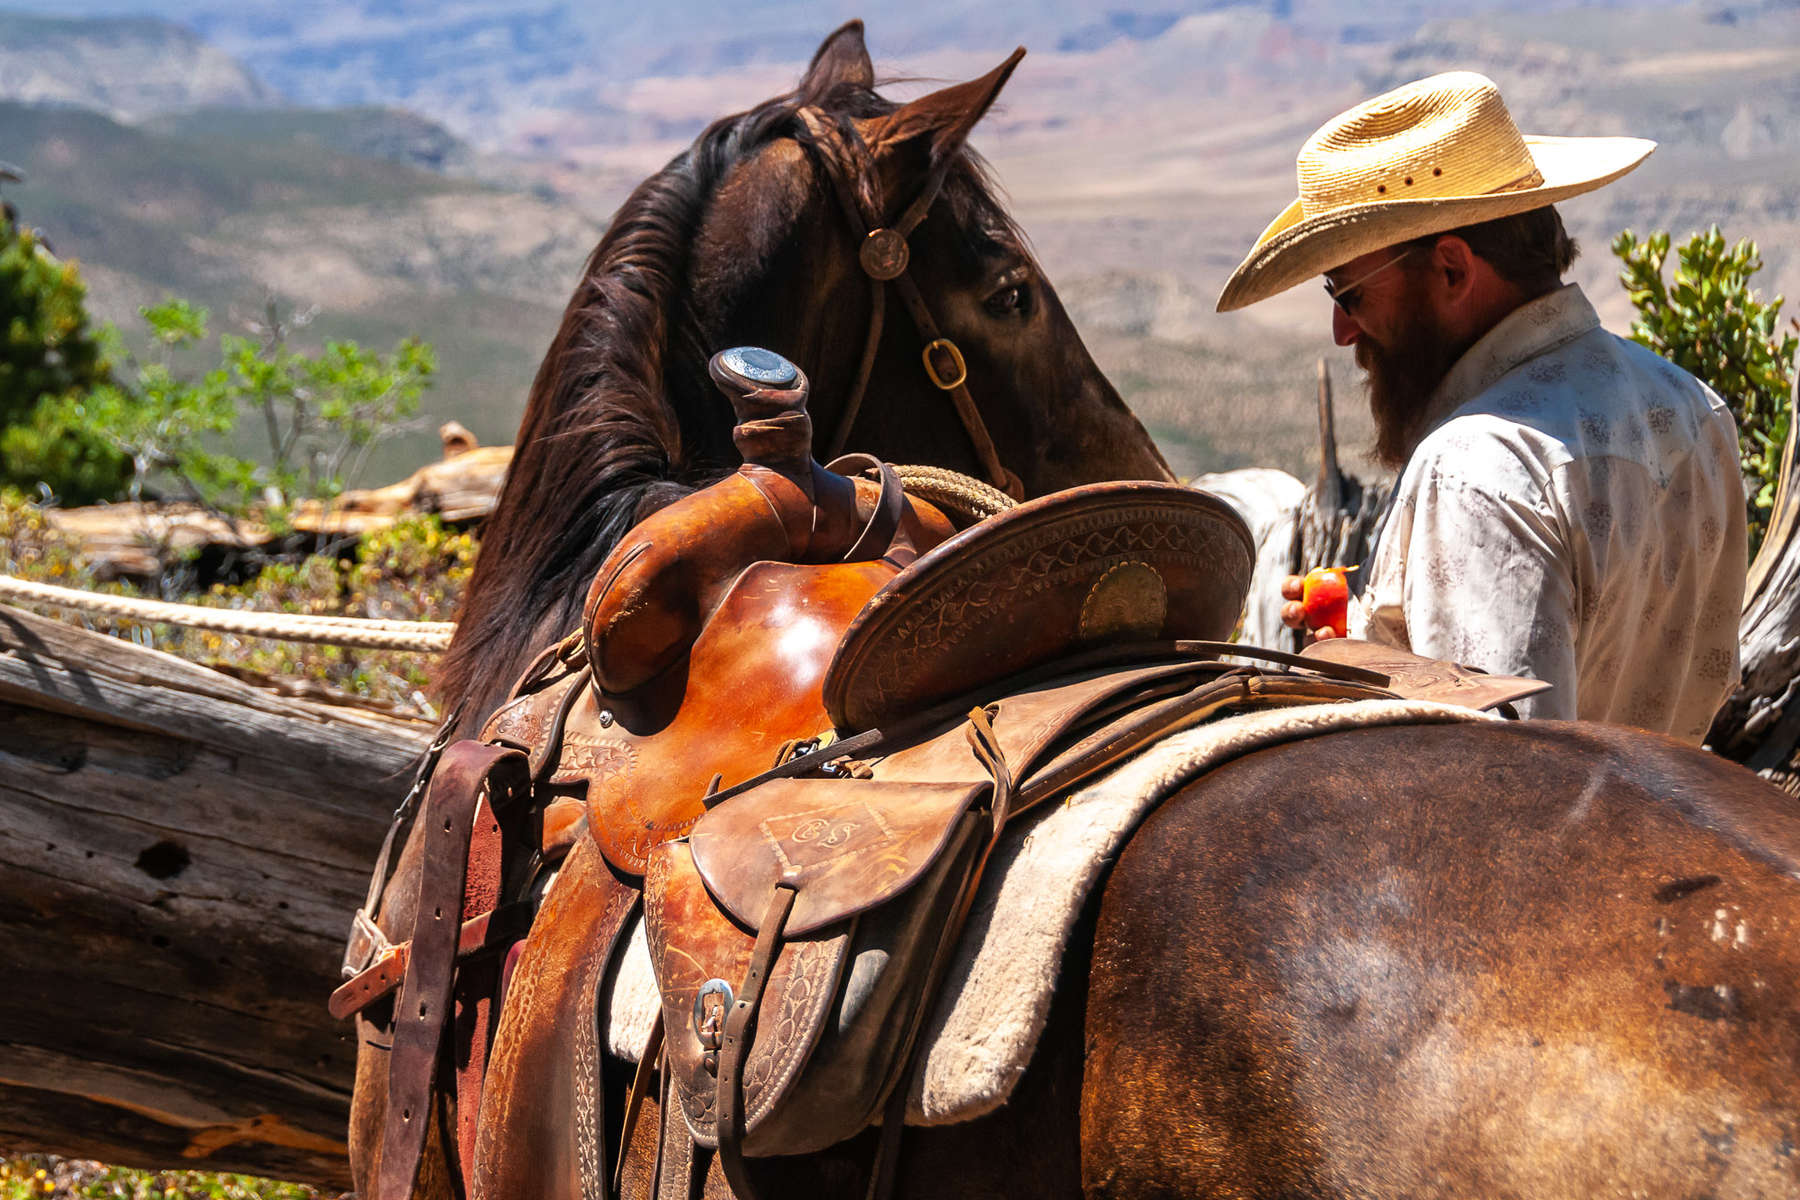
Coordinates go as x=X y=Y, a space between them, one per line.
x=884 y=255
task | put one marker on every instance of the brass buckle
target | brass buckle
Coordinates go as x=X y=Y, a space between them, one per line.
x=962 y=368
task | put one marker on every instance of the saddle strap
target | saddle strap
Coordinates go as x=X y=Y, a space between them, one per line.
x=467 y=771
x=890 y=506
x=740 y=1027
x=649 y=1064
x=367 y=943
x=478 y=981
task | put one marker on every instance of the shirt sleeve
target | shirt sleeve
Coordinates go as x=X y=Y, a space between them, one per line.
x=1489 y=582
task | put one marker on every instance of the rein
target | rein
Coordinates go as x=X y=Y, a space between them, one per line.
x=884 y=256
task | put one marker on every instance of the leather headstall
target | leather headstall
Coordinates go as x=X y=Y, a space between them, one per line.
x=885 y=257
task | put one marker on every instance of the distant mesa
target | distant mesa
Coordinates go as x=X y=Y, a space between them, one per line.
x=129 y=68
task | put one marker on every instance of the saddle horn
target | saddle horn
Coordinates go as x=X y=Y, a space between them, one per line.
x=653 y=595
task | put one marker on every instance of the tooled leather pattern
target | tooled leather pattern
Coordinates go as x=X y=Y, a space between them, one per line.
x=1043 y=563
x=696 y=1104
x=523 y=720
x=520 y=1005
x=590 y=759
x=587 y=1074
x=781 y=1049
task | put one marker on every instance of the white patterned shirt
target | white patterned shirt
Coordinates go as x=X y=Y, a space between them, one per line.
x=1575 y=514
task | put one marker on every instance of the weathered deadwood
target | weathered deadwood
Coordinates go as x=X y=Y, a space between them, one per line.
x=1759 y=725
x=141 y=541
x=1337 y=518
x=180 y=854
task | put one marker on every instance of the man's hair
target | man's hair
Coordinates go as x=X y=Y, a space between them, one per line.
x=1530 y=250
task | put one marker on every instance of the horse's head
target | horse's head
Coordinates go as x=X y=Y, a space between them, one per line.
x=756 y=235
x=780 y=261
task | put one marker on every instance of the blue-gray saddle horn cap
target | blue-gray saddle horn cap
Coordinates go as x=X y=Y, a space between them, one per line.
x=758 y=367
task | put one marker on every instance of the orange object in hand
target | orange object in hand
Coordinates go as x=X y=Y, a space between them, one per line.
x=1325 y=597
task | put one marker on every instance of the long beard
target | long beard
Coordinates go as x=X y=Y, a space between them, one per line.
x=1401 y=379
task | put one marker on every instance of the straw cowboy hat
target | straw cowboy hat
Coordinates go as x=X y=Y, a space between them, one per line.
x=1424 y=158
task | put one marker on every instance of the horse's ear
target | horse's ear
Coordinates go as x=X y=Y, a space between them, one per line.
x=841 y=58
x=948 y=115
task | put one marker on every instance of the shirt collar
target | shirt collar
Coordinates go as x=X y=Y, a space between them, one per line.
x=1535 y=327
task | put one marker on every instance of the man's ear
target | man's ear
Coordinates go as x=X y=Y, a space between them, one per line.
x=1455 y=266
x=842 y=58
x=945 y=117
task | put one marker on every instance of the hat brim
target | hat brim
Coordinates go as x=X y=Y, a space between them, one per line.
x=1295 y=248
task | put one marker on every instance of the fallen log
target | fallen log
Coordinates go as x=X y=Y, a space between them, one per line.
x=141 y=541
x=180 y=854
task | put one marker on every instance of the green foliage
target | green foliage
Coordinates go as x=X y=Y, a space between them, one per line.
x=320 y=414
x=1709 y=322
x=48 y=354
x=415 y=569
x=42 y=1177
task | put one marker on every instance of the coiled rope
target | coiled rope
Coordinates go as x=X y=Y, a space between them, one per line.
x=945 y=488
x=954 y=490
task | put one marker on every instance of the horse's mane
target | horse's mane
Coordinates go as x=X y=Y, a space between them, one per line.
x=621 y=419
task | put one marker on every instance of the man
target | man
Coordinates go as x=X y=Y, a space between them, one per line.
x=1569 y=505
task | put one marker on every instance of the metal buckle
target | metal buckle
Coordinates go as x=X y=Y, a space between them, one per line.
x=709 y=1020
x=962 y=368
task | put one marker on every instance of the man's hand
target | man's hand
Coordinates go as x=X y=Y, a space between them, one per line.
x=1294 y=612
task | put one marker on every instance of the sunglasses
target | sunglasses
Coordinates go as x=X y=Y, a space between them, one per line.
x=1347 y=297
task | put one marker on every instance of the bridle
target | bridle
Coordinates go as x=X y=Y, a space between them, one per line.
x=884 y=256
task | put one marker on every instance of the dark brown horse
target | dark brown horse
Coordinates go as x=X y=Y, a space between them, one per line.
x=1451 y=961
x=741 y=240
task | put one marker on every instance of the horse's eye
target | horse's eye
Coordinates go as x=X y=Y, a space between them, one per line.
x=1013 y=299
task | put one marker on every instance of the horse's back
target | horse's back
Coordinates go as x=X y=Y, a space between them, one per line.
x=1491 y=960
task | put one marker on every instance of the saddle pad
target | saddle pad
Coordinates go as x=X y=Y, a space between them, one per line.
x=996 y=993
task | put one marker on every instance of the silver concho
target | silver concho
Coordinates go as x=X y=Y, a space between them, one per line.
x=764 y=368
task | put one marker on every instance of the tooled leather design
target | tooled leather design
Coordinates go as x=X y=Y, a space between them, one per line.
x=1044 y=562
x=696 y=1104
x=593 y=760
x=587 y=1074
x=798 y=998
x=523 y=721
x=812 y=837
x=781 y=1050
x=804 y=978
x=520 y=1005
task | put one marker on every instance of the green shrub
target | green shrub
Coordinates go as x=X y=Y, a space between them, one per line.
x=43 y=1177
x=317 y=414
x=49 y=354
x=1708 y=321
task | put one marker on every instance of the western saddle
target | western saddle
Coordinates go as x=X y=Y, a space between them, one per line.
x=800 y=711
